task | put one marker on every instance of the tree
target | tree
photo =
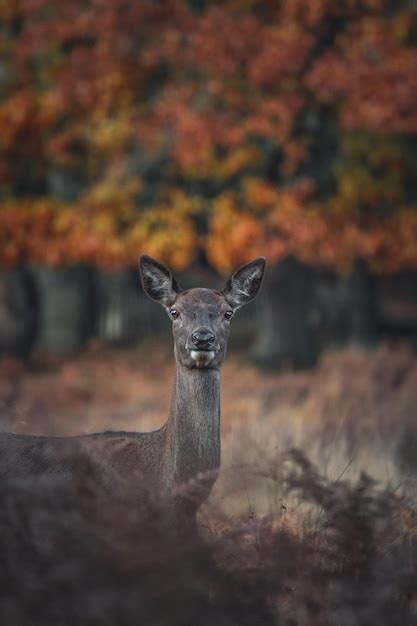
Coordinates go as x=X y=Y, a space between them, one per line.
x=238 y=128
x=74 y=94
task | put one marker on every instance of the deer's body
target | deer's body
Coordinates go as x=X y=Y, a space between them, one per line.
x=187 y=447
x=117 y=453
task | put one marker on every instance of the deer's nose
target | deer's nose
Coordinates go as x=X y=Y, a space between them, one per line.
x=203 y=339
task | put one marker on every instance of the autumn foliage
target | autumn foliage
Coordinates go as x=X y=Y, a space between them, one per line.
x=235 y=127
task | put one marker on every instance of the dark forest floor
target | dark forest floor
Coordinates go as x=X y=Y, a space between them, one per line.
x=323 y=535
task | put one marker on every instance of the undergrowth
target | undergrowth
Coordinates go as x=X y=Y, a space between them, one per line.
x=300 y=538
x=337 y=553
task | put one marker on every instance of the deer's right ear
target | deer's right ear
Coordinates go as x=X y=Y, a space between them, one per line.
x=157 y=281
x=244 y=284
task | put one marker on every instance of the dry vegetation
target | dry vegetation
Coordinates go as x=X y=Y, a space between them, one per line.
x=325 y=534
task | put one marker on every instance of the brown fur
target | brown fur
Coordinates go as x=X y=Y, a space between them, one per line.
x=180 y=461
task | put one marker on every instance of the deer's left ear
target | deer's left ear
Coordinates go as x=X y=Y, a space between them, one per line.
x=245 y=283
x=157 y=281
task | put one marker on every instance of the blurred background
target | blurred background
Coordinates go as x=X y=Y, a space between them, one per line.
x=205 y=133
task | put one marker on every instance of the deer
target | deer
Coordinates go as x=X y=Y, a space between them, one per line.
x=187 y=447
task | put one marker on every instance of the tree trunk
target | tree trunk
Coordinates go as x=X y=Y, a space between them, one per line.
x=362 y=305
x=125 y=313
x=17 y=312
x=287 y=335
x=66 y=299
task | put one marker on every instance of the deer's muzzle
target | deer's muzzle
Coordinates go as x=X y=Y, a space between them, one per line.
x=203 y=339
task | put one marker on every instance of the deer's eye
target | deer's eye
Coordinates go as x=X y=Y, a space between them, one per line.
x=174 y=313
x=228 y=315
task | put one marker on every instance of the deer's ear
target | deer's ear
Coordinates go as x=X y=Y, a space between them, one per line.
x=244 y=284
x=157 y=281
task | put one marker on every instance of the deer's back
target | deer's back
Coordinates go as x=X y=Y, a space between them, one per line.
x=109 y=455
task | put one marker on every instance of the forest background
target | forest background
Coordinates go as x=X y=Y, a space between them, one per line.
x=204 y=134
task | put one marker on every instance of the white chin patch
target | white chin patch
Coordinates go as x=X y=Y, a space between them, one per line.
x=202 y=357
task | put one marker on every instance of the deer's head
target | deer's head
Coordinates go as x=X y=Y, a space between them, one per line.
x=201 y=317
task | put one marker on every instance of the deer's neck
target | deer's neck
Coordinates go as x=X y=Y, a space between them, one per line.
x=193 y=426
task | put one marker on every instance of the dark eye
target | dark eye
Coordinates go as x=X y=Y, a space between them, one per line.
x=174 y=313
x=228 y=315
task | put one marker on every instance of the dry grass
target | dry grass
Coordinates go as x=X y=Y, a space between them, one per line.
x=356 y=412
x=343 y=554
x=323 y=535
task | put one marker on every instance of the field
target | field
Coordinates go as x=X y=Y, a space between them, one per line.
x=313 y=520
